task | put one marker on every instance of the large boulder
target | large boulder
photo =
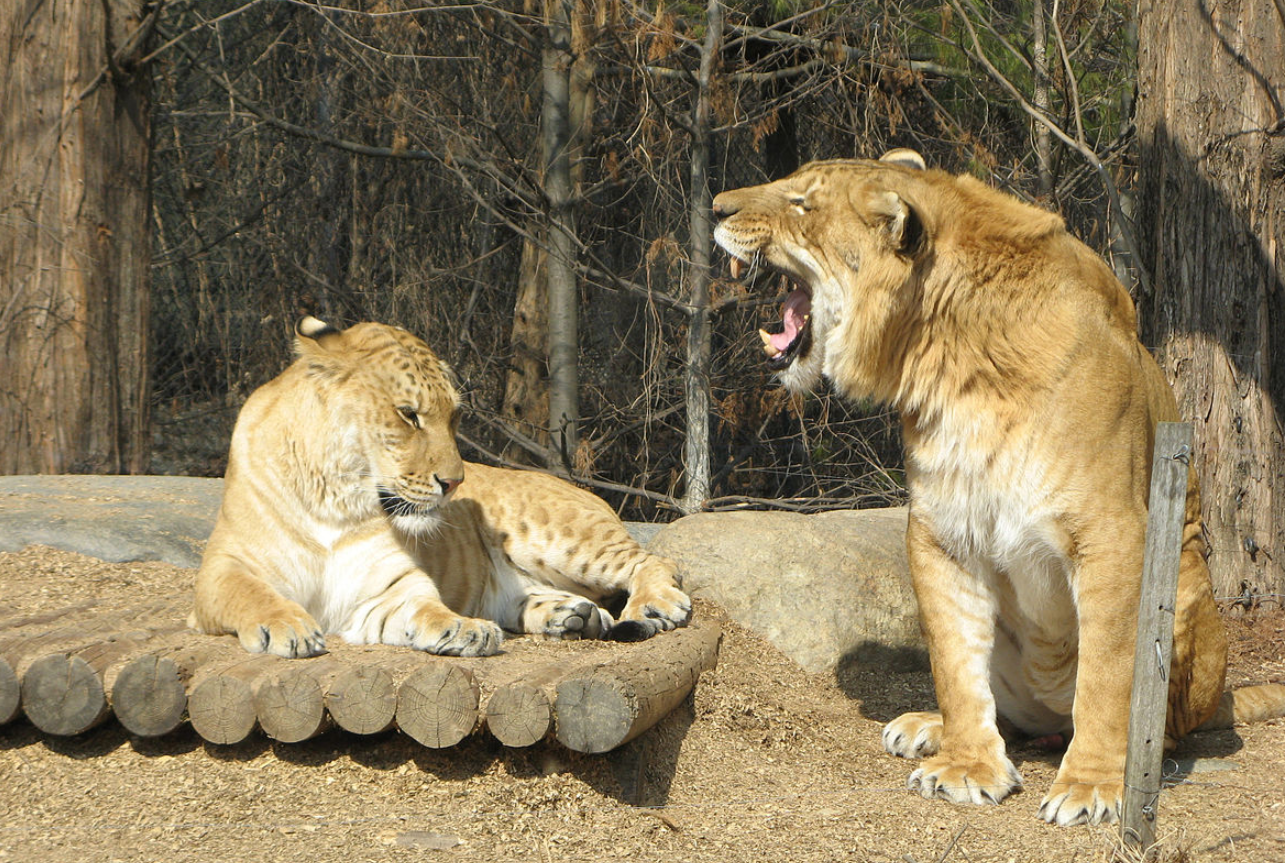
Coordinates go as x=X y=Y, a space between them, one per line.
x=112 y=518
x=824 y=588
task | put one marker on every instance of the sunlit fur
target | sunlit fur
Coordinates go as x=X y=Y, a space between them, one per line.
x=1028 y=409
x=344 y=512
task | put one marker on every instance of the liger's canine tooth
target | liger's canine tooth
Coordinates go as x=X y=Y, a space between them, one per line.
x=768 y=347
x=736 y=268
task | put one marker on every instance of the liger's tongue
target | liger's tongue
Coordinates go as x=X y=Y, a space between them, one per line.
x=798 y=305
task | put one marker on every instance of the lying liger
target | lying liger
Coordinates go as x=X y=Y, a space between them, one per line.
x=1028 y=410
x=348 y=509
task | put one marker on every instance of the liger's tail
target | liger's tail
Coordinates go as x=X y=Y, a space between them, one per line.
x=1248 y=704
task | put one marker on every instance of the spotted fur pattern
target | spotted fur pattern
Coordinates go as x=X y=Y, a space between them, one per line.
x=347 y=509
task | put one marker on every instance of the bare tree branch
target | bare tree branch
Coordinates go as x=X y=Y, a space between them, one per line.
x=978 y=54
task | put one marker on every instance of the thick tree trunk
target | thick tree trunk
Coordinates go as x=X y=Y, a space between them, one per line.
x=74 y=238
x=527 y=384
x=1211 y=129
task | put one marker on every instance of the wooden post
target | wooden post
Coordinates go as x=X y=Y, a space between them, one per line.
x=25 y=638
x=65 y=692
x=290 y=701
x=10 y=692
x=1170 y=465
x=220 y=698
x=364 y=699
x=150 y=694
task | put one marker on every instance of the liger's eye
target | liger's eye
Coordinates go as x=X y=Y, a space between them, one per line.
x=409 y=414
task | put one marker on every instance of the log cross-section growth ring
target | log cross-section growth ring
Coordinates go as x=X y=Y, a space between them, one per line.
x=437 y=705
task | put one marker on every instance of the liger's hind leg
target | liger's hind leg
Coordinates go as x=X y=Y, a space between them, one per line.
x=562 y=615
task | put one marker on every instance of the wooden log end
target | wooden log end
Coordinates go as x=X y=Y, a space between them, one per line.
x=437 y=705
x=519 y=714
x=221 y=709
x=290 y=707
x=10 y=693
x=602 y=707
x=148 y=696
x=363 y=700
x=63 y=696
x=594 y=712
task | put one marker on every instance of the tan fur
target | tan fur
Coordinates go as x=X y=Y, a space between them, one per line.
x=303 y=546
x=1029 y=409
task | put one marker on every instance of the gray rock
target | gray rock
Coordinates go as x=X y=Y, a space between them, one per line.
x=112 y=518
x=823 y=588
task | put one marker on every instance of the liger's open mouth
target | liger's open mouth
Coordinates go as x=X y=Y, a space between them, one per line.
x=789 y=338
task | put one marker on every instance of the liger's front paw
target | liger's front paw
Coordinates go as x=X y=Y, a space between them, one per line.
x=1070 y=802
x=286 y=634
x=660 y=610
x=977 y=782
x=457 y=636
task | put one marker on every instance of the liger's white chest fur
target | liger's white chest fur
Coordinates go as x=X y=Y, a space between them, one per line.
x=996 y=511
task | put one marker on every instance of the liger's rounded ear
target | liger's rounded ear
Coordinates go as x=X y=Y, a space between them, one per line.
x=312 y=334
x=905 y=157
x=902 y=228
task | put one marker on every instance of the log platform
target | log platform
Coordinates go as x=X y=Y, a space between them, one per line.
x=70 y=669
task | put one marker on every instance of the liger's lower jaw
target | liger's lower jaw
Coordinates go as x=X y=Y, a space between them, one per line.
x=409 y=517
x=778 y=360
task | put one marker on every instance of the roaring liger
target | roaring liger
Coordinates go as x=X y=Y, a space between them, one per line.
x=1028 y=412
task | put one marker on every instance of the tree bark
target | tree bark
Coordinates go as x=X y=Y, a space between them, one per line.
x=1043 y=138
x=526 y=386
x=696 y=459
x=564 y=294
x=74 y=237
x=605 y=705
x=1211 y=132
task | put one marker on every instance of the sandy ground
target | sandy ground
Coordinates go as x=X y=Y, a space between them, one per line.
x=765 y=762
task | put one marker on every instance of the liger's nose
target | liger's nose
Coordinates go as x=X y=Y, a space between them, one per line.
x=723 y=207
x=449 y=485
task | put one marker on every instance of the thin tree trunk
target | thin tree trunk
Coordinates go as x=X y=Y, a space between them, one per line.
x=1210 y=123
x=1122 y=260
x=526 y=391
x=74 y=238
x=564 y=384
x=1043 y=138
x=697 y=448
